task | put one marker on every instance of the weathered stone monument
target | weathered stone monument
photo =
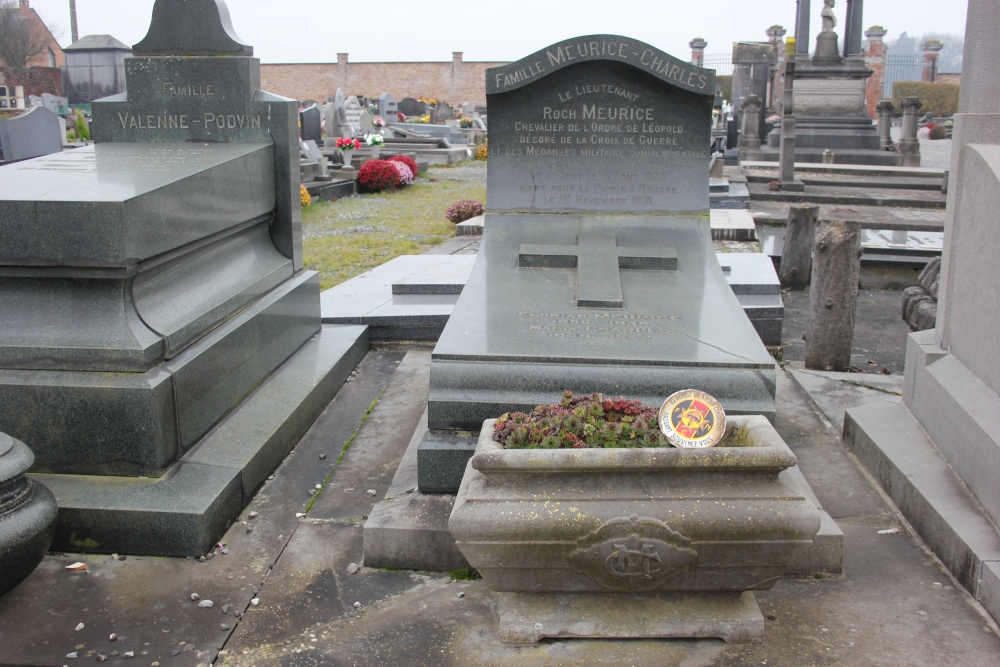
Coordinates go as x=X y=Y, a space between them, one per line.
x=161 y=347
x=336 y=119
x=830 y=110
x=596 y=271
x=938 y=454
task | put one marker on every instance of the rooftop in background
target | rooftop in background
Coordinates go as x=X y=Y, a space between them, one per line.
x=98 y=43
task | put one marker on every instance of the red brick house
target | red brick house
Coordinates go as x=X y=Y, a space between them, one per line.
x=43 y=74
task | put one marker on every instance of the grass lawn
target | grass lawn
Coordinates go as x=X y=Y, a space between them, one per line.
x=345 y=238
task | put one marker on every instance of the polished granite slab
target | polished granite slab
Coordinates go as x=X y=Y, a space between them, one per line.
x=411 y=297
x=519 y=335
x=113 y=205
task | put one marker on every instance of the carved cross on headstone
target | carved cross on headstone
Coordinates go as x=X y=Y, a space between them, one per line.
x=598 y=261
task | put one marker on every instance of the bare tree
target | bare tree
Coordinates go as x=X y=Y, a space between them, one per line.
x=21 y=40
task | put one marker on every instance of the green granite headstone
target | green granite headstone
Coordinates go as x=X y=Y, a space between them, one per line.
x=596 y=271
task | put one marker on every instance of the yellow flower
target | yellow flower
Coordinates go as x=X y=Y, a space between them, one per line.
x=304 y=196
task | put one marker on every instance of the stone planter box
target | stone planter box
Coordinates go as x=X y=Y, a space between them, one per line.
x=634 y=521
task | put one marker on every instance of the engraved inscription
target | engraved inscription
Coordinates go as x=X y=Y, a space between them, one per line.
x=188 y=89
x=573 y=51
x=598 y=324
x=572 y=126
x=183 y=121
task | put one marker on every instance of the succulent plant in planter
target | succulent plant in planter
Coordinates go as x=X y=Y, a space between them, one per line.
x=578 y=422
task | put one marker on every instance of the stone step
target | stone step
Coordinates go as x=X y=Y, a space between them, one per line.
x=775 y=214
x=837 y=179
x=844 y=196
x=185 y=511
x=895 y=449
x=850 y=169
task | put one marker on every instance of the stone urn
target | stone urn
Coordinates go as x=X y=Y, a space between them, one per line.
x=657 y=542
x=27 y=515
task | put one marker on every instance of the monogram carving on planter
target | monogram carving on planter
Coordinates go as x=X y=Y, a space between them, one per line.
x=633 y=554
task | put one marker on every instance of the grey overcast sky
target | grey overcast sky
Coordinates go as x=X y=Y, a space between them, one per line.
x=292 y=31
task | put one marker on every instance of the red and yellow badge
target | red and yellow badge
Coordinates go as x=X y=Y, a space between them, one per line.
x=692 y=418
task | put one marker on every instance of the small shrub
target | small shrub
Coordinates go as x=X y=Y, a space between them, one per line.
x=465 y=574
x=82 y=129
x=483 y=151
x=939 y=131
x=377 y=175
x=304 y=196
x=939 y=99
x=407 y=160
x=405 y=175
x=464 y=209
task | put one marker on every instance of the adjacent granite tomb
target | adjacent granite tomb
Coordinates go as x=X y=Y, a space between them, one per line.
x=151 y=286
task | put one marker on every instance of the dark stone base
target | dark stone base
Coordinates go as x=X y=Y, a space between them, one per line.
x=875 y=158
x=332 y=190
x=140 y=423
x=526 y=618
x=441 y=460
x=27 y=515
x=184 y=512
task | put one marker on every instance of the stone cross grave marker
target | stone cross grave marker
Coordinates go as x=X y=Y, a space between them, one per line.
x=596 y=271
x=598 y=262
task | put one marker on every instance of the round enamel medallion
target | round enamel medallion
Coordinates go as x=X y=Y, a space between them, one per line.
x=692 y=418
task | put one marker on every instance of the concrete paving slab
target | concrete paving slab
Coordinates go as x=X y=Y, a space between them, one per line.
x=146 y=600
x=892 y=607
x=834 y=393
x=892 y=445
